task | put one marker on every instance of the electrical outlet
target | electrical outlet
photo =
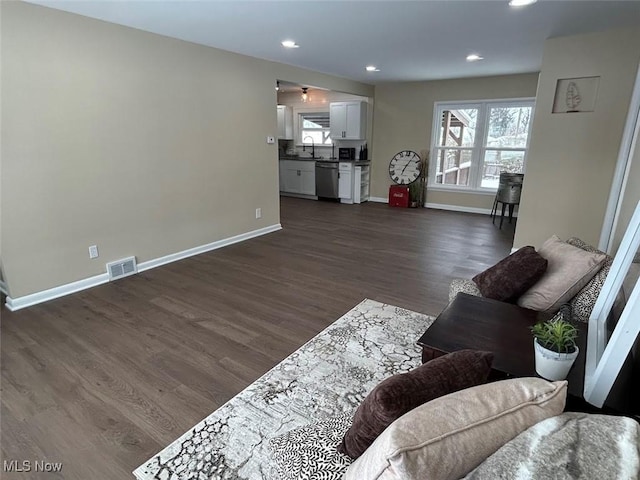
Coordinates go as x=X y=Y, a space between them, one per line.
x=93 y=251
x=258 y=213
x=271 y=140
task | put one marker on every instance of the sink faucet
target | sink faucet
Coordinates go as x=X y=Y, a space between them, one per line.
x=313 y=146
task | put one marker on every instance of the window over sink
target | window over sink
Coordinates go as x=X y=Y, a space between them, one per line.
x=316 y=126
x=472 y=142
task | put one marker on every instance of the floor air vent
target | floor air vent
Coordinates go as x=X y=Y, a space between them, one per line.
x=122 y=268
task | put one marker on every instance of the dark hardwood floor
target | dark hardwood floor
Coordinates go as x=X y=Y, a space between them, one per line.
x=103 y=379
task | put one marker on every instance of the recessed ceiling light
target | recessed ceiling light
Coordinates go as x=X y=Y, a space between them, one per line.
x=474 y=57
x=290 y=44
x=372 y=68
x=521 y=3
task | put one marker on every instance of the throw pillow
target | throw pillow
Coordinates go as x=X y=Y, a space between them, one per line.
x=310 y=452
x=574 y=445
x=512 y=276
x=582 y=304
x=569 y=269
x=400 y=393
x=451 y=435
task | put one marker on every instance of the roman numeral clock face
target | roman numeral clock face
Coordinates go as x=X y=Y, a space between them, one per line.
x=404 y=167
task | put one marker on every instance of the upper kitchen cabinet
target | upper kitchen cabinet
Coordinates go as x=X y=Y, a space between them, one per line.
x=348 y=120
x=285 y=122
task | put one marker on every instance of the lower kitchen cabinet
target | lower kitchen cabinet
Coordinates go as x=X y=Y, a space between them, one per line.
x=298 y=177
x=345 y=182
x=353 y=183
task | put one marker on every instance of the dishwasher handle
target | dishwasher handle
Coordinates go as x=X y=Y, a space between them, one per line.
x=326 y=166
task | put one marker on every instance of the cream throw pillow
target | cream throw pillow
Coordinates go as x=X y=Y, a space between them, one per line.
x=569 y=269
x=451 y=435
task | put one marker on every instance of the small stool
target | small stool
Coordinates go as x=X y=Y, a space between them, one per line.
x=494 y=211
x=508 y=194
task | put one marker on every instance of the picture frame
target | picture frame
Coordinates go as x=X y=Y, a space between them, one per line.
x=574 y=95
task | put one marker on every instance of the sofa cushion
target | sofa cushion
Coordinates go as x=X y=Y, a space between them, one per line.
x=311 y=451
x=463 y=285
x=451 y=435
x=400 y=393
x=582 y=303
x=574 y=445
x=512 y=276
x=569 y=269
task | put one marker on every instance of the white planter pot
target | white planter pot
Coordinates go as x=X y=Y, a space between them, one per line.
x=553 y=365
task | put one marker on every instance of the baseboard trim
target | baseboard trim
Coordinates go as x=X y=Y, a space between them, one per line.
x=379 y=199
x=458 y=208
x=18 y=303
x=174 y=257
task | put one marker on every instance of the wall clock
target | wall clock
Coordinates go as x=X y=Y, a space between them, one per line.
x=404 y=167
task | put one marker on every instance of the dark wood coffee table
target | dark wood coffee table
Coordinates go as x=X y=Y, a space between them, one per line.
x=502 y=328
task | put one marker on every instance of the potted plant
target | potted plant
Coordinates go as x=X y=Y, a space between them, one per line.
x=555 y=347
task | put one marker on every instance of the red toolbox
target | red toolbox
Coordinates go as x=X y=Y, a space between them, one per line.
x=399 y=196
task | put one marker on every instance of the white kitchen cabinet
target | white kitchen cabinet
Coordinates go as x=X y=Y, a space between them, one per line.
x=298 y=177
x=348 y=120
x=285 y=123
x=361 y=184
x=345 y=182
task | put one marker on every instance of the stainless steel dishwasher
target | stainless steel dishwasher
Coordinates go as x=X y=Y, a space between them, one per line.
x=327 y=179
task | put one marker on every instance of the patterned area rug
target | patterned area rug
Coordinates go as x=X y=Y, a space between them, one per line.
x=328 y=376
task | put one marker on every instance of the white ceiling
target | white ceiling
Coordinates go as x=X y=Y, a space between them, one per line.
x=407 y=40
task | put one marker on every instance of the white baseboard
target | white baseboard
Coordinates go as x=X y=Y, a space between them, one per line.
x=14 y=304
x=443 y=206
x=458 y=208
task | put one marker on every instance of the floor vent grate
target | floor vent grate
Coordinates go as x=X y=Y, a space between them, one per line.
x=122 y=268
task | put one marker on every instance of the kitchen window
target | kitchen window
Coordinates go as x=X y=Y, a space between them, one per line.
x=316 y=126
x=472 y=142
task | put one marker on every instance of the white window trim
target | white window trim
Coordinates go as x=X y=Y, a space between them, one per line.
x=297 y=128
x=479 y=147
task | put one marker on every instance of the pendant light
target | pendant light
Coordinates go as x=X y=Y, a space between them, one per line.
x=305 y=96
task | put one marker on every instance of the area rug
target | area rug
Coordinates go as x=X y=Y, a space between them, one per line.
x=329 y=375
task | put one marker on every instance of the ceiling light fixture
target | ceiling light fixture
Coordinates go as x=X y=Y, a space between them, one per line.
x=521 y=3
x=372 y=68
x=290 y=44
x=305 y=96
x=474 y=57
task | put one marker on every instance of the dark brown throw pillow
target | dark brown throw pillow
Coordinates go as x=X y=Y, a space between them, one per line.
x=512 y=276
x=403 y=392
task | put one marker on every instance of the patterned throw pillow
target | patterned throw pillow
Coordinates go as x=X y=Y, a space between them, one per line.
x=582 y=304
x=400 y=393
x=310 y=452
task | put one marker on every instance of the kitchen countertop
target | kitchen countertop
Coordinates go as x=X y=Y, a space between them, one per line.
x=335 y=160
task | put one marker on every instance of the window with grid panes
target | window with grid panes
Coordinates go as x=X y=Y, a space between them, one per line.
x=472 y=142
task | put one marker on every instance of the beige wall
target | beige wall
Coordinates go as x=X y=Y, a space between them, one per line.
x=141 y=144
x=572 y=156
x=403 y=118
